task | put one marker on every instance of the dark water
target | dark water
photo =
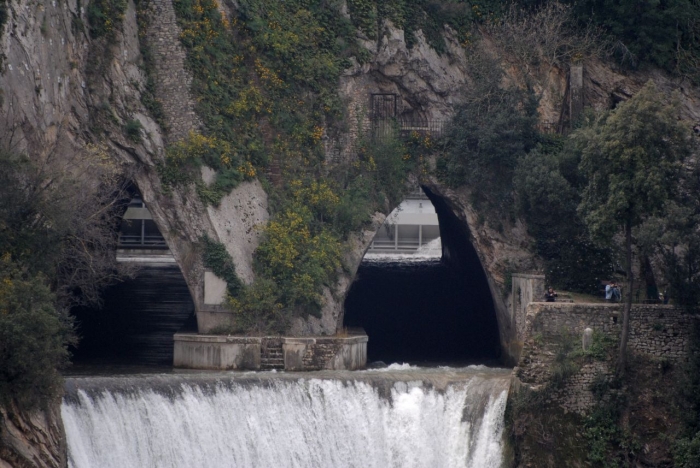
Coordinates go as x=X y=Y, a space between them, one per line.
x=136 y=324
x=424 y=312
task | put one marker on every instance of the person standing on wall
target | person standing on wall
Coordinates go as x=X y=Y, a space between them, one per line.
x=609 y=291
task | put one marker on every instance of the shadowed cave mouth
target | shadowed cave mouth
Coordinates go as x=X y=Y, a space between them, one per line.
x=138 y=318
x=432 y=312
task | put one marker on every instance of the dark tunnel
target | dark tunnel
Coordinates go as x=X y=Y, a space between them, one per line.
x=431 y=312
x=137 y=322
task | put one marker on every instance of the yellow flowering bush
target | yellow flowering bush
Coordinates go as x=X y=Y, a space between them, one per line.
x=300 y=250
x=184 y=158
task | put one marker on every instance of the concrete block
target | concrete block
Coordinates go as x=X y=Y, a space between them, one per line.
x=216 y=352
x=294 y=350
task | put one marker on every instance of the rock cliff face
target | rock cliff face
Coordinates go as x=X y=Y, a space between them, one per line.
x=62 y=89
x=34 y=439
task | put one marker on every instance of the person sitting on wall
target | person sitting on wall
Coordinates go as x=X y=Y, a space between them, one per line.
x=550 y=295
x=616 y=294
x=612 y=292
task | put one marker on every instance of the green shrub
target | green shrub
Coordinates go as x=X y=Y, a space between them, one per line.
x=148 y=94
x=105 y=17
x=686 y=452
x=184 y=159
x=33 y=339
x=298 y=252
x=133 y=130
x=427 y=16
x=489 y=134
x=4 y=15
x=258 y=308
x=220 y=262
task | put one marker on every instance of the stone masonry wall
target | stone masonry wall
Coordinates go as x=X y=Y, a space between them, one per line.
x=172 y=78
x=658 y=331
x=320 y=353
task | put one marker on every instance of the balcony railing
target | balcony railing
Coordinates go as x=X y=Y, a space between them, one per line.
x=404 y=128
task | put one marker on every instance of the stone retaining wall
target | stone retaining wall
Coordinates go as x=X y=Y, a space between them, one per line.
x=172 y=78
x=657 y=331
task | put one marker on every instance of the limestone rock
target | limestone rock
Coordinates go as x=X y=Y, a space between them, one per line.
x=238 y=221
x=34 y=439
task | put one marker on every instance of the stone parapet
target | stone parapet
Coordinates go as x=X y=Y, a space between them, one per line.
x=216 y=352
x=661 y=331
x=219 y=352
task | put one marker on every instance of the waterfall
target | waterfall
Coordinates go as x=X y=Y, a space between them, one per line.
x=364 y=419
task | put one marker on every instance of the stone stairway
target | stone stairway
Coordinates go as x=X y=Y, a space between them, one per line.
x=271 y=355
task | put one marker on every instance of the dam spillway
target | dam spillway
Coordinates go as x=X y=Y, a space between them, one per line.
x=397 y=417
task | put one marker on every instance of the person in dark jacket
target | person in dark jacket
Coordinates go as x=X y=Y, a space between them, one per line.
x=550 y=295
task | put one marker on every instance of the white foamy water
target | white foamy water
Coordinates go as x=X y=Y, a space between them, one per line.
x=324 y=423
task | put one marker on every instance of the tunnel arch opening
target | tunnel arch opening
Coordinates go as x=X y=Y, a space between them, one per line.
x=138 y=317
x=430 y=310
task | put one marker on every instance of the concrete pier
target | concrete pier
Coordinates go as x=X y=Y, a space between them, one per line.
x=193 y=351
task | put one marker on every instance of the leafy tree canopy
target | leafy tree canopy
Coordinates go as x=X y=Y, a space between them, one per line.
x=632 y=157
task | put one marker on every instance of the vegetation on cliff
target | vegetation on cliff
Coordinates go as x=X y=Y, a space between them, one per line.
x=57 y=245
x=633 y=163
x=649 y=417
x=265 y=79
x=266 y=86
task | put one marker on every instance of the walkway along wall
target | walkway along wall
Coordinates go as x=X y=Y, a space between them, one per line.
x=661 y=332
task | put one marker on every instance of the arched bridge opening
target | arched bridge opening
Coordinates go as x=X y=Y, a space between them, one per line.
x=420 y=306
x=138 y=317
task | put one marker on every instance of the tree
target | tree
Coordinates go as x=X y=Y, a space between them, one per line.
x=632 y=157
x=675 y=238
x=33 y=338
x=491 y=131
x=59 y=215
x=547 y=187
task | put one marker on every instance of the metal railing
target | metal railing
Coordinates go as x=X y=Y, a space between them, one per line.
x=400 y=246
x=404 y=128
x=135 y=241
